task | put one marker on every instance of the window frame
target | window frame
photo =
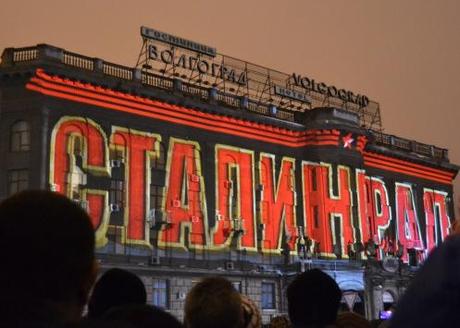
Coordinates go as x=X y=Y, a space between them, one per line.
x=156 y=197
x=21 y=182
x=265 y=294
x=20 y=140
x=117 y=192
x=160 y=292
x=237 y=285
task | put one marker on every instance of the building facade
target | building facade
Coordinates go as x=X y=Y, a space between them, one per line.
x=184 y=180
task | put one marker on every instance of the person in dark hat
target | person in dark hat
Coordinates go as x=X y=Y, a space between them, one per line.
x=313 y=300
x=433 y=297
x=47 y=258
x=114 y=288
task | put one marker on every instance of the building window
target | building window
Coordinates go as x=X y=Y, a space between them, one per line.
x=116 y=192
x=160 y=162
x=156 y=197
x=18 y=180
x=378 y=203
x=268 y=296
x=160 y=293
x=237 y=286
x=157 y=181
x=77 y=143
x=235 y=204
x=313 y=179
x=409 y=199
x=316 y=217
x=117 y=152
x=20 y=136
x=388 y=300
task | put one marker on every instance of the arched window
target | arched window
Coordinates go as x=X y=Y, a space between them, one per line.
x=388 y=300
x=20 y=136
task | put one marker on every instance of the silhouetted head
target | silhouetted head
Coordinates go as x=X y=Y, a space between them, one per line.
x=142 y=316
x=281 y=321
x=213 y=302
x=251 y=314
x=313 y=299
x=47 y=250
x=114 y=288
x=351 y=320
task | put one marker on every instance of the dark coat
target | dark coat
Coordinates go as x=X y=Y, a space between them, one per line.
x=433 y=298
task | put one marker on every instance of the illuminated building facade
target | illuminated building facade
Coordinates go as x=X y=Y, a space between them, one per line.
x=184 y=178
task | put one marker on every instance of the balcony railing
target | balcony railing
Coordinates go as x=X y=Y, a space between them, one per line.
x=411 y=146
x=25 y=54
x=77 y=60
x=116 y=70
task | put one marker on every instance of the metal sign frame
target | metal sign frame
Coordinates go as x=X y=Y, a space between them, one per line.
x=197 y=64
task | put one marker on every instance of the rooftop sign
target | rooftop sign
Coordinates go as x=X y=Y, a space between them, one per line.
x=178 y=58
x=177 y=41
x=329 y=90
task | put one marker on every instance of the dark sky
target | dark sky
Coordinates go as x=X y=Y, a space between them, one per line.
x=404 y=54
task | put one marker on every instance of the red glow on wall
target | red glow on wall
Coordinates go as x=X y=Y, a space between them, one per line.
x=374 y=209
x=436 y=219
x=92 y=151
x=184 y=196
x=408 y=228
x=327 y=197
x=277 y=204
x=328 y=216
x=136 y=147
x=235 y=197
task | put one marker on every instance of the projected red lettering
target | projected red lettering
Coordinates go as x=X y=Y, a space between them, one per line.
x=408 y=228
x=74 y=137
x=235 y=198
x=374 y=209
x=252 y=212
x=139 y=149
x=277 y=203
x=185 y=200
x=436 y=219
x=328 y=218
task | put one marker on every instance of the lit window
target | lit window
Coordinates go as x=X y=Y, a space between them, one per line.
x=268 y=296
x=160 y=292
x=388 y=300
x=18 y=180
x=237 y=285
x=20 y=136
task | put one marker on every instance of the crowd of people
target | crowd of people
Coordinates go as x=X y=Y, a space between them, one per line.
x=49 y=272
